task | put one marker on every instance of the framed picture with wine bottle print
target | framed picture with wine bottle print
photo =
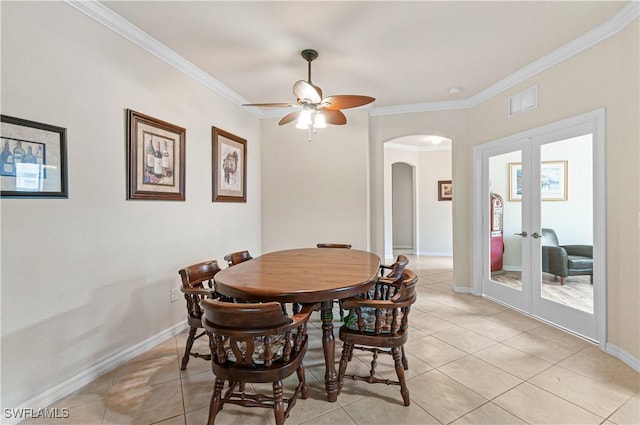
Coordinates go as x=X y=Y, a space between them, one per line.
x=33 y=162
x=156 y=157
x=229 y=167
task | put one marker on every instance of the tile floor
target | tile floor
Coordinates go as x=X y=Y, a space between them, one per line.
x=471 y=361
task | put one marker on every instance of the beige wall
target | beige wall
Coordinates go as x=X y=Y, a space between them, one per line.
x=451 y=124
x=315 y=191
x=604 y=76
x=87 y=277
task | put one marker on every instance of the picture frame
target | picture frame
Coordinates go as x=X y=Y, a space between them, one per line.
x=33 y=159
x=229 y=159
x=156 y=159
x=445 y=190
x=553 y=181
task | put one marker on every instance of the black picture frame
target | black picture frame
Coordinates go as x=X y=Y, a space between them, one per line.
x=33 y=159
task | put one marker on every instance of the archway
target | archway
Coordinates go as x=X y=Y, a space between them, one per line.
x=430 y=160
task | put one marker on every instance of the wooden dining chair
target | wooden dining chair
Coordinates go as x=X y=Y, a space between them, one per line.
x=394 y=271
x=333 y=245
x=237 y=257
x=197 y=284
x=255 y=343
x=378 y=326
x=389 y=274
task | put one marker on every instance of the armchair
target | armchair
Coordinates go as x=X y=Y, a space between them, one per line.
x=565 y=260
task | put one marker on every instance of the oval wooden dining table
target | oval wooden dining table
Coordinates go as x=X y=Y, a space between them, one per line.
x=306 y=275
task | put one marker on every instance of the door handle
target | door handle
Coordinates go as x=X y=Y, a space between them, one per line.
x=523 y=234
x=536 y=235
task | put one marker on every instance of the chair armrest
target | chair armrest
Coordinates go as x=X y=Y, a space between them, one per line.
x=555 y=260
x=207 y=292
x=350 y=303
x=305 y=313
x=580 y=250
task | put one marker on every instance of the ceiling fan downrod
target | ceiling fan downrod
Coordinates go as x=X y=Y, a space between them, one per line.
x=309 y=55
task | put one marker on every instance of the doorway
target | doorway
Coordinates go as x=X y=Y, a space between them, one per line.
x=539 y=203
x=402 y=209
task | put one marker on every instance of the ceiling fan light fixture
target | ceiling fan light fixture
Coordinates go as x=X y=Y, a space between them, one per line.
x=304 y=120
x=319 y=120
x=317 y=111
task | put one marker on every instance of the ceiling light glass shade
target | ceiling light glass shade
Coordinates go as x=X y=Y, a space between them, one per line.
x=319 y=121
x=304 y=120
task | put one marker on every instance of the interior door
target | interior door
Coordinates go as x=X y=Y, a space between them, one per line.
x=510 y=285
x=562 y=219
x=552 y=181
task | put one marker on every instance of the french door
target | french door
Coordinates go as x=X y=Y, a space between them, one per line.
x=535 y=190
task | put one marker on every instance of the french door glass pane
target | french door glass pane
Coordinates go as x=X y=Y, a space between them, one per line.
x=566 y=211
x=505 y=174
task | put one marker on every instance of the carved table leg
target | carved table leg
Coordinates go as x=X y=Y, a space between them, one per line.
x=329 y=345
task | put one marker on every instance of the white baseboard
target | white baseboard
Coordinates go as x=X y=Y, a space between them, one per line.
x=625 y=357
x=436 y=254
x=83 y=378
x=462 y=289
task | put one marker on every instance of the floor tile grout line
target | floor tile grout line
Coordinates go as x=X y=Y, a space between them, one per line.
x=563 y=398
x=184 y=406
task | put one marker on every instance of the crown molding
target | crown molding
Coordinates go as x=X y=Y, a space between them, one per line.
x=126 y=29
x=96 y=10
x=605 y=30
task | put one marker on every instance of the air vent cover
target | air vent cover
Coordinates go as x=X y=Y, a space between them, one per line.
x=523 y=101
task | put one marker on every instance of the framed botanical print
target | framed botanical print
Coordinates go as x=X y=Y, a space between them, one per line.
x=229 y=167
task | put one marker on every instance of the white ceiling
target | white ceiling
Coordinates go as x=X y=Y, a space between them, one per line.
x=401 y=53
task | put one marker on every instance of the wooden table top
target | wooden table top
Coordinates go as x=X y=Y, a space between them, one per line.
x=300 y=275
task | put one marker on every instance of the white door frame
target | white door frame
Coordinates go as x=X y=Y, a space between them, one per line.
x=596 y=121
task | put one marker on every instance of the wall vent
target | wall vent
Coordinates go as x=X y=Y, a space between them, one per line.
x=523 y=101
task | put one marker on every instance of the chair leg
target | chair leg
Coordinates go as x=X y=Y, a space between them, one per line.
x=347 y=351
x=304 y=390
x=216 y=400
x=397 y=358
x=405 y=361
x=187 y=350
x=278 y=402
x=591 y=279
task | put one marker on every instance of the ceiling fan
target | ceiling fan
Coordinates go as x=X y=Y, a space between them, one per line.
x=316 y=111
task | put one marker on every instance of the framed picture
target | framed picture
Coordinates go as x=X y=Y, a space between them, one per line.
x=33 y=162
x=229 y=167
x=553 y=181
x=515 y=181
x=156 y=157
x=445 y=190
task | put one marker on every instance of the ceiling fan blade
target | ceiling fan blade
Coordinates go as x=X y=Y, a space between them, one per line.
x=289 y=117
x=334 y=116
x=306 y=91
x=269 y=105
x=346 y=101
